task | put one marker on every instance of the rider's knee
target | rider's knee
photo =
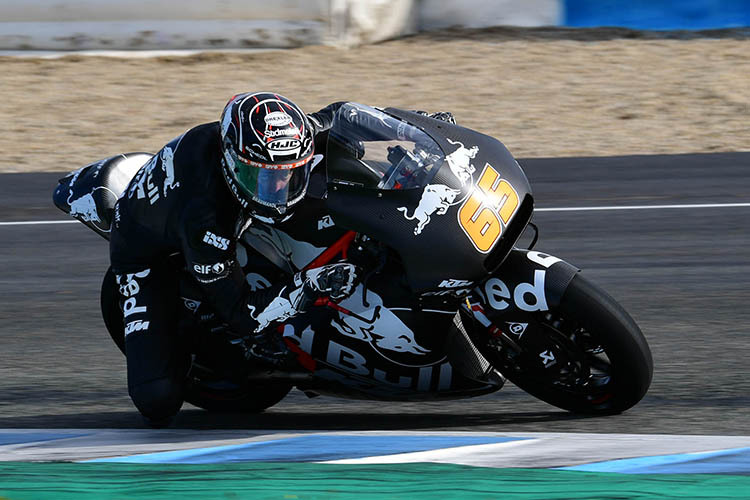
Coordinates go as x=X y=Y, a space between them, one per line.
x=159 y=399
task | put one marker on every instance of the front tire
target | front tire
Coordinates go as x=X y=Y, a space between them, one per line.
x=587 y=355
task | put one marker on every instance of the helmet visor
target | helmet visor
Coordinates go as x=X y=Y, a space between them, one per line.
x=276 y=186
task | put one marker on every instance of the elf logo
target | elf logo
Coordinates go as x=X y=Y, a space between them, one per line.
x=217 y=268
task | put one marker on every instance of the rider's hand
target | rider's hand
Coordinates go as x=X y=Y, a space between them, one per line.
x=335 y=281
x=445 y=116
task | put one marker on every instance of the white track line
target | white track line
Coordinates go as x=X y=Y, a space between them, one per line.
x=36 y=222
x=554 y=209
x=642 y=207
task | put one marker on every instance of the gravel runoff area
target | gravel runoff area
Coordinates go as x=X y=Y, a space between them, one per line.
x=544 y=92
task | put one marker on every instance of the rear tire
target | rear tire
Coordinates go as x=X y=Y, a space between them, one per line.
x=226 y=396
x=586 y=356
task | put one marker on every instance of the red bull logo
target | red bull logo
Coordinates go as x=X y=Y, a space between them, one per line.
x=459 y=161
x=85 y=209
x=278 y=310
x=377 y=325
x=436 y=200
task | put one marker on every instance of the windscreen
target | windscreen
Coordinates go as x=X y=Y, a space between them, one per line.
x=370 y=148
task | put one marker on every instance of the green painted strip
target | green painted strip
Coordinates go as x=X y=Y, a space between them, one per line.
x=68 y=481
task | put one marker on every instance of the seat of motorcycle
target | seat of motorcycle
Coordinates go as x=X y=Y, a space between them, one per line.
x=89 y=194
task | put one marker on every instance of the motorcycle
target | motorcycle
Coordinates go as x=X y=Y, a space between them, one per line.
x=449 y=306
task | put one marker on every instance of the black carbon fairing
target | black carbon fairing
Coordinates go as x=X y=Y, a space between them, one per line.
x=454 y=225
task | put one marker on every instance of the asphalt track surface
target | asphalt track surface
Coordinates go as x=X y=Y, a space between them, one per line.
x=682 y=272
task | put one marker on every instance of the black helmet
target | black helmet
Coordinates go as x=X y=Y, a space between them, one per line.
x=267 y=148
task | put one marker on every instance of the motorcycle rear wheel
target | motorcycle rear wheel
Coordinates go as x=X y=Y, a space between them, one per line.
x=226 y=396
x=586 y=355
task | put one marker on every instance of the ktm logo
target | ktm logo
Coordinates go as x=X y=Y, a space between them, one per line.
x=484 y=215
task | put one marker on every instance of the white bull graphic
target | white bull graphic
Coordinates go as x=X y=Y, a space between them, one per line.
x=371 y=112
x=280 y=309
x=436 y=199
x=385 y=330
x=460 y=161
x=84 y=207
x=167 y=164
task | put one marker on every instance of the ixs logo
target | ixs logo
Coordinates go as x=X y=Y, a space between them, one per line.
x=484 y=215
x=215 y=241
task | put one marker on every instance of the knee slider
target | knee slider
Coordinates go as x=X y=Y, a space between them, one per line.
x=158 y=399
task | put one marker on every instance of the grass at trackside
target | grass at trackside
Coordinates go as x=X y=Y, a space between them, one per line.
x=68 y=481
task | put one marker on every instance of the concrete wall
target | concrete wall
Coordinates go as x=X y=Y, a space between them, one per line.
x=206 y=24
x=164 y=24
x=121 y=10
x=199 y=24
x=434 y=14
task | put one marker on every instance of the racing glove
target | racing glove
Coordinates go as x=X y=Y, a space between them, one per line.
x=445 y=116
x=335 y=281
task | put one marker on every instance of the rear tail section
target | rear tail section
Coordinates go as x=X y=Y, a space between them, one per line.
x=89 y=194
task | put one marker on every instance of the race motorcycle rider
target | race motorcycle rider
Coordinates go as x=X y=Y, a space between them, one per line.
x=195 y=197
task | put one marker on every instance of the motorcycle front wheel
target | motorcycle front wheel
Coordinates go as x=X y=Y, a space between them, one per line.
x=586 y=355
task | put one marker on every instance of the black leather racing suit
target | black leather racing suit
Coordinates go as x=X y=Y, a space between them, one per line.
x=179 y=202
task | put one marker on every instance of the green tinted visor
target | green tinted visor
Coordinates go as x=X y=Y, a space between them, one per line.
x=277 y=186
